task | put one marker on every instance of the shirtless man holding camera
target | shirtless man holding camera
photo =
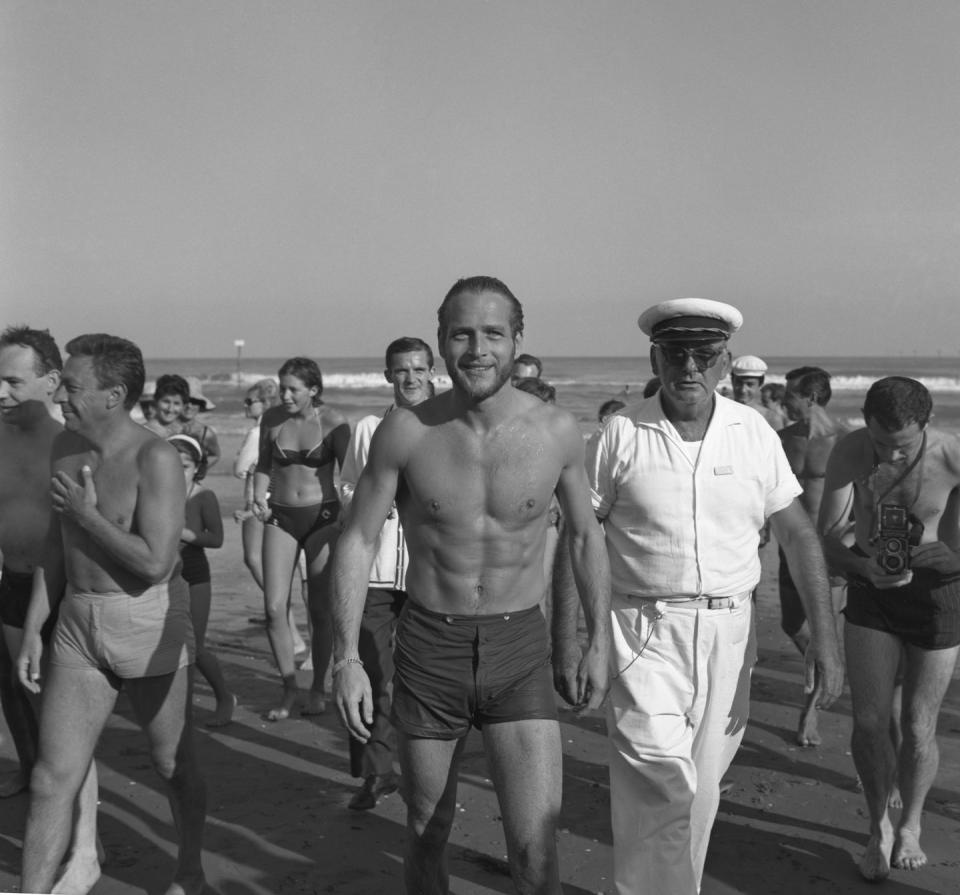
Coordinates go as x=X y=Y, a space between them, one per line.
x=903 y=574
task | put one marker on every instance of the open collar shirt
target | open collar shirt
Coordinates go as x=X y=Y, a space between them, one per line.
x=678 y=526
x=390 y=561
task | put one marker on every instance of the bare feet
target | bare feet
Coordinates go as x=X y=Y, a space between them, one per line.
x=307 y=664
x=875 y=863
x=13 y=784
x=79 y=875
x=907 y=854
x=187 y=885
x=283 y=710
x=224 y=713
x=316 y=704
x=895 y=800
x=808 y=734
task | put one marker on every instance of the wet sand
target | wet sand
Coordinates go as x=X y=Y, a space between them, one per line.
x=793 y=822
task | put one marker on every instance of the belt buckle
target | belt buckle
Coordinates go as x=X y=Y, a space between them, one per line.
x=719 y=602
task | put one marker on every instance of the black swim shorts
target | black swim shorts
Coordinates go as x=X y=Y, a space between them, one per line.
x=454 y=671
x=15 y=590
x=924 y=613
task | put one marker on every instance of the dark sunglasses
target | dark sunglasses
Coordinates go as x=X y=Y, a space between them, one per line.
x=249 y=402
x=678 y=355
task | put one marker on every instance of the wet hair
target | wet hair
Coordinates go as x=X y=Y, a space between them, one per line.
x=172 y=384
x=267 y=391
x=528 y=360
x=652 y=387
x=478 y=285
x=608 y=408
x=46 y=355
x=192 y=449
x=814 y=383
x=307 y=371
x=404 y=345
x=116 y=361
x=896 y=401
x=533 y=386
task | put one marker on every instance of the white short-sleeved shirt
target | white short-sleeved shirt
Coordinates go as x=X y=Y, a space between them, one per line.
x=248 y=454
x=675 y=527
x=391 y=559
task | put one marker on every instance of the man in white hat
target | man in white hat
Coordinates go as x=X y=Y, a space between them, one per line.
x=746 y=375
x=682 y=483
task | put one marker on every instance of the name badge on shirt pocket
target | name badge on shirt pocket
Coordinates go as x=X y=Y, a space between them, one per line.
x=723 y=470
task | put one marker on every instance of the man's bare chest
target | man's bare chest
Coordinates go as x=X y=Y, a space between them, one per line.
x=510 y=478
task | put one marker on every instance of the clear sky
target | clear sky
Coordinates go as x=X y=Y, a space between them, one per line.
x=313 y=176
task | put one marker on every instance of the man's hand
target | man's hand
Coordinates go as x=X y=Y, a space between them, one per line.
x=354 y=698
x=581 y=679
x=74 y=499
x=937 y=556
x=823 y=671
x=28 y=662
x=594 y=678
x=566 y=662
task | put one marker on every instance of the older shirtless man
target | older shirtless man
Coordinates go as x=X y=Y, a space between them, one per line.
x=30 y=367
x=903 y=595
x=473 y=472
x=807 y=442
x=118 y=499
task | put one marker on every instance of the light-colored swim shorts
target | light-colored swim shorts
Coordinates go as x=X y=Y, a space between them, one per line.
x=130 y=635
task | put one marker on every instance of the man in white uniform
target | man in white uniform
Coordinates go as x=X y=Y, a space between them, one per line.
x=409 y=369
x=683 y=482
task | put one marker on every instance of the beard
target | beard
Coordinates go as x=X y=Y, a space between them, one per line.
x=479 y=389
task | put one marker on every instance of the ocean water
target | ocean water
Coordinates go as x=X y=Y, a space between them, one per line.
x=356 y=385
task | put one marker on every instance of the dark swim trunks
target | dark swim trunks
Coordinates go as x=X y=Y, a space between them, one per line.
x=15 y=590
x=195 y=568
x=454 y=671
x=924 y=613
x=301 y=522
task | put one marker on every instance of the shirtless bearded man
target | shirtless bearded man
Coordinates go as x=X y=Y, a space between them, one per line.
x=118 y=499
x=896 y=470
x=473 y=471
x=807 y=442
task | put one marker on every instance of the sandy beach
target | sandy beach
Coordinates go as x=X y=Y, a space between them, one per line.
x=794 y=821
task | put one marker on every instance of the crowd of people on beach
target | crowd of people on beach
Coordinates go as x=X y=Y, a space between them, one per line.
x=456 y=577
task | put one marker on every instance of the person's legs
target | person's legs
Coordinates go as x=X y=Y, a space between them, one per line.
x=928 y=673
x=162 y=708
x=872 y=658
x=82 y=869
x=18 y=714
x=375 y=757
x=319 y=552
x=251 y=532
x=808 y=731
x=206 y=661
x=429 y=781
x=75 y=706
x=726 y=654
x=279 y=558
x=526 y=766
x=652 y=775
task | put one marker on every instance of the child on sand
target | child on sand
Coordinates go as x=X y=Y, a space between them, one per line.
x=202 y=528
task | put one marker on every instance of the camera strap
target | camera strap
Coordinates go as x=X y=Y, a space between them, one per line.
x=878 y=501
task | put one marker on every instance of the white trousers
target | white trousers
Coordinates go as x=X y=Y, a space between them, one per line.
x=677 y=711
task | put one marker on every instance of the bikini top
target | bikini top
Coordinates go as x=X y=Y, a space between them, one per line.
x=319 y=455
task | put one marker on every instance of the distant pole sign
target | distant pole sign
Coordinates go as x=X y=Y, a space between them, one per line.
x=238 y=344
